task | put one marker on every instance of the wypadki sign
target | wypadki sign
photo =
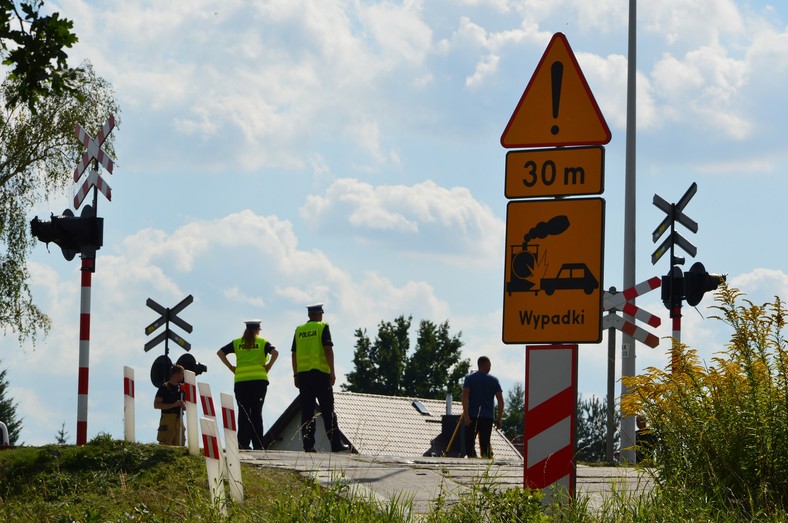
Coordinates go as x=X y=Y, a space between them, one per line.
x=553 y=271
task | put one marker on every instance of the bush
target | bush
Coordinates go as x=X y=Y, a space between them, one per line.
x=591 y=432
x=721 y=431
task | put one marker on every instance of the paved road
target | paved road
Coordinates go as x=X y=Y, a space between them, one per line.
x=423 y=479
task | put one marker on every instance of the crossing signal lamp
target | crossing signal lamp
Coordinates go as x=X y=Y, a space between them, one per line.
x=82 y=234
x=672 y=288
x=698 y=282
x=689 y=286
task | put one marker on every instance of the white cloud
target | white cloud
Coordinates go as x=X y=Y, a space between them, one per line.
x=264 y=87
x=703 y=89
x=680 y=22
x=498 y=5
x=762 y=284
x=399 y=30
x=750 y=166
x=420 y=218
x=235 y=295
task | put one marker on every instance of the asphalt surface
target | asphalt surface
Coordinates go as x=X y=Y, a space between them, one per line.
x=422 y=479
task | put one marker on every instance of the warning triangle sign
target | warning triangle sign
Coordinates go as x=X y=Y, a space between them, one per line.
x=557 y=107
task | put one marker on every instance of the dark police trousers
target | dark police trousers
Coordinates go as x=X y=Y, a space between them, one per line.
x=316 y=386
x=250 y=396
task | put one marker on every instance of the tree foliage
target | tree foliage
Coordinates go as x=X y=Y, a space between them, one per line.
x=38 y=154
x=513 y=423
x=436 y=366
x=384 y=366
x=33 y=45
x=8 y=410
x=591 y=429
x=61 y=438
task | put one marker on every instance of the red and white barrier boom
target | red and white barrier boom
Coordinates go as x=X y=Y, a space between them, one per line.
x=128 y=404
x=621 y=301
x=232 y=457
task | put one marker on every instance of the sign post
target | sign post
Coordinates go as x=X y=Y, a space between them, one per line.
x=554 y=261
x=231 y=448
x=550 y=406
x=84 y=235
x=96 y=154
x=128 y=404
x=166 y=316
x=673 y=290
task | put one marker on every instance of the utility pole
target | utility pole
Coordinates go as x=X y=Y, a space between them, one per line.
x=627 y=342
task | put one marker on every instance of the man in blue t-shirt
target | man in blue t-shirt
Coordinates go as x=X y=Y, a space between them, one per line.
x=478 y=391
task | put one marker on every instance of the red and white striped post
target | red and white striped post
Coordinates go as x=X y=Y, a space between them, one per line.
x=206 y=400
x=675 y=319
x=128 y=404
x=213 y=455
x=550 y=403
x=232 y=457
x=88 y=267
x=208 y=410
x=190 y=398
x=94 y=152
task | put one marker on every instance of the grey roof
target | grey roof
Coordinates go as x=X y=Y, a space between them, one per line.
x=387 y=426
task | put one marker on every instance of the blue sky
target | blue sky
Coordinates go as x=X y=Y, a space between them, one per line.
x=275 y=154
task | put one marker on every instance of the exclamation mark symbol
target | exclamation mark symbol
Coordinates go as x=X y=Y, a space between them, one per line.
x=557 y=71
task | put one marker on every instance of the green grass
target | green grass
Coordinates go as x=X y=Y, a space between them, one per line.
x=115 y=481
x=109 y=480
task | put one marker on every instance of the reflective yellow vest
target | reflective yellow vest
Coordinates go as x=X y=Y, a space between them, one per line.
x=309 y=347
x=249 y=362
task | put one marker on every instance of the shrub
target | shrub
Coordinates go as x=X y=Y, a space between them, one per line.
x=721 y=431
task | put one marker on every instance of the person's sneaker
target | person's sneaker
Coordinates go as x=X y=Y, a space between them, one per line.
x=339 y=448
x=310 y=450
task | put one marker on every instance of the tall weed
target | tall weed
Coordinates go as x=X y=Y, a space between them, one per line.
x=721 y=431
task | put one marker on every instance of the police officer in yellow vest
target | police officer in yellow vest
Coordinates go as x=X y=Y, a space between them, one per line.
x=313 y=375
x=254 y=357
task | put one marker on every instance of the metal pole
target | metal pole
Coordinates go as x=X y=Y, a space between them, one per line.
x=611 y=400
x=84 y=351
x=676 y=295
x=88 y=268
x=675 y=315
x=627 y=341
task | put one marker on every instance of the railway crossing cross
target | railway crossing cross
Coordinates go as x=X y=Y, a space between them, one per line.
x=673 y=290
x=168 y=315
x=94 y=150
